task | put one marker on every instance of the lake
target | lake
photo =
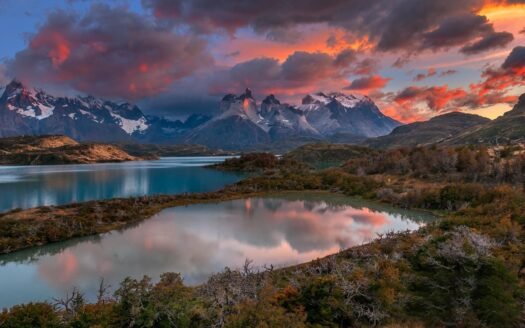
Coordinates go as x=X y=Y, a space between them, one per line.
x=198 y=240
x=32 y=186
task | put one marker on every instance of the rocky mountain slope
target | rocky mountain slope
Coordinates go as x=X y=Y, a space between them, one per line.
x=509 y=127
x=57 y=150
x=436 y=130
x=340 y=113
x=242 y=123
x=26 y=111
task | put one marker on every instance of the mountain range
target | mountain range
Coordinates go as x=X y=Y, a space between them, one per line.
x=26 y=111
x=239 y=122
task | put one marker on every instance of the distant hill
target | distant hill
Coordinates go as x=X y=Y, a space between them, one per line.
x=507 y=128
x=42 y=150
x=436 y=130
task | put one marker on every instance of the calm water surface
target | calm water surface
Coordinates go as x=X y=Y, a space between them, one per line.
x=31 y=186
x=198 y=240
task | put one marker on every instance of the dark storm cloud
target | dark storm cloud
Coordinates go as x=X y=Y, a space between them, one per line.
x=300 y=69
x=108 y=52
x=308 y=66
x=346 y=57
x=408 y=25
x=516 y=59
x=490 y=41
x=264 y=69
x=456 y=30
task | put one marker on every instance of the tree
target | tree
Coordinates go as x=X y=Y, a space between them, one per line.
x=30 y=315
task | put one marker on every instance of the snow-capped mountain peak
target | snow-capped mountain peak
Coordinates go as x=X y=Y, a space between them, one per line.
x=27 y=102
x=239 y=122
x=322 y=99
x=316 y=98
x=37 y=104
x=271 y=100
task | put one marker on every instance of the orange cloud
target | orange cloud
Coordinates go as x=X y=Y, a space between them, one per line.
x=62 y=270
x=436 y=98
x=120 y=54
x=55 y=43
x=369 y=83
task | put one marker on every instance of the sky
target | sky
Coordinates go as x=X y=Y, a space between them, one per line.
x=415 y=58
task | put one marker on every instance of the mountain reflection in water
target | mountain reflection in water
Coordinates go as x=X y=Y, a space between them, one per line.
x=198 y=240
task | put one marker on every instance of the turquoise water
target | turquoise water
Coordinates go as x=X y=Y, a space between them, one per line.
x=31 y=186
x=201 y=239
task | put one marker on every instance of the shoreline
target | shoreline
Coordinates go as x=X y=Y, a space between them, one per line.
x=76 y=216
x=104 y=216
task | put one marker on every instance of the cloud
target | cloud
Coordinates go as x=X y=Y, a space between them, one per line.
x=496 y=87
x=433 y=72
x=259 y=68
x=368 y=83
x=233 y=54
x=448 y=72
x=345 y=58
x=490 y=41
x=515 y=60
x=436 y=98
x=497 y=81
x=298 y=71
x=366 y=66
x=109 y=52
x=421 y=76
x=302 y=65
x=456 y=30
x=391 y=25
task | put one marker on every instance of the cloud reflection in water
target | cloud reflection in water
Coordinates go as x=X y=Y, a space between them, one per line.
x=198 y=240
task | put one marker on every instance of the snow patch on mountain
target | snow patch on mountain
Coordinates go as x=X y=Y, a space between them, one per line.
x=347 y=101
x=131 y=126
x=321 y=98
x=45 y=111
